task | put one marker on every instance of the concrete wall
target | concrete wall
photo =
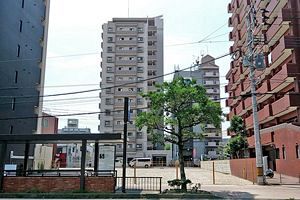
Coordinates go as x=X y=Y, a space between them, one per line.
x=57 y=184
x=222 y=166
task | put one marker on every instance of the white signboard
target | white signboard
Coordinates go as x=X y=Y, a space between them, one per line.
x=106 y=158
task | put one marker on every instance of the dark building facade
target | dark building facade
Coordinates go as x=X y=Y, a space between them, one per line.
x=23 y=42
x=277 y=33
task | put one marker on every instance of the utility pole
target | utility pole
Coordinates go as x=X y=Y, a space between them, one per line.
x=249 y=60
x=126 y=105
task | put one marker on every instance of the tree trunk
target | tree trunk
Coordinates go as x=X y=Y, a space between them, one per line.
x=181 y=164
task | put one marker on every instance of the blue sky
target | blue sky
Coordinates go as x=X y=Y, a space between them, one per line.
x=74 y=45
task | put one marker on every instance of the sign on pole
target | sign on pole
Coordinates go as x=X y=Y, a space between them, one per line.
x=107 y=157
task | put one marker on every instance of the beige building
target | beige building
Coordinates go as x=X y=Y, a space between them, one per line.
x=132 y=54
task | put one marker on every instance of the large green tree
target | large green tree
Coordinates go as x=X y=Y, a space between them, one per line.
x=175 y=108
x=237 y=144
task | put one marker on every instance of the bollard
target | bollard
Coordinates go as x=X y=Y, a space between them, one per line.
x=214 y=180
x=299 y=178
x=280 y=178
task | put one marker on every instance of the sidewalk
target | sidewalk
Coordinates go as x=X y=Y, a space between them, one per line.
x=254 y=191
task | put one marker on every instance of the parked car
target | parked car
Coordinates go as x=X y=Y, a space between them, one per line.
x=141 y=162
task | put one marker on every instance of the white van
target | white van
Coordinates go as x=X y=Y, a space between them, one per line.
x=141 y=162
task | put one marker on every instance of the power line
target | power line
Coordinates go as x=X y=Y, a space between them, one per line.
x=110 y=87
x=143 y=108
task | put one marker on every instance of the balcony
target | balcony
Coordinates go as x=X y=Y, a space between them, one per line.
x=229 y=8
x=126 y=72
x=264 y=113
x=249 y=121
x=211 y=83
x=126 y=42
x=210 y=74
x=126 y=62
x=126 y=52
x=125 y=93
x=229 y=102
x=212 y=144
x=212 y=91
x=230 y=115
x=230 y=22
x=285 y=104
x=239 y=108
x=264 y=88
x=284 y=77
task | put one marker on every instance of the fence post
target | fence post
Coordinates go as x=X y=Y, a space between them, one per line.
x=214 y=181
x=176 y=167
x=252 y=174
x=134 y=173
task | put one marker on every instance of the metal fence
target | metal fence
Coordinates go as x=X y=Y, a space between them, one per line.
x=140 y=183
x=60 y=172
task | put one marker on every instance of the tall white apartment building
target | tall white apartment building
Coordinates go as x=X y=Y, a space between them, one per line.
x=132 y=54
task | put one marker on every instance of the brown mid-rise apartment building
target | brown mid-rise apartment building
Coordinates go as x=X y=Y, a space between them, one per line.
x=277 y=36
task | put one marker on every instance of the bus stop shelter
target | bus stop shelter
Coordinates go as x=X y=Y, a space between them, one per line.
x=108 y=138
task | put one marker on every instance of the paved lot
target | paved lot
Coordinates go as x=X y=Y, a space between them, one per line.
x=196 y=175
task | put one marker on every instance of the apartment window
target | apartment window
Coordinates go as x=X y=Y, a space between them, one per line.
x=130 y=134
x=130 y=38
x=129 y=68
x=119 y=100
x=107 y=123
x=107 y=112
x=151 y=22
x=119 y=146
x=131 y=29
x=140 y=49
x=118 y=122
x=139 y=78
x=120 y=89
x=283 y=152
x=108 y=79
x=16 y=77
x=109 y=59
x=139 y=146
x=110 y=39
x=140 y=89
x=13 y=103
x=120 y=68
x=107 y=101
x=109 y=69
x=151 y=83
x=108 y=91
x=20 y=25
x=131 y=58
x=272 y=136
x=130 y=146
x=18 y=50
x=11 y=128
x=109 y=29
x=140 y=59
x=140 y=39
x=297 y=151
x=130 y=89
x=140 y=69
x=139 y=135
x=109 y=49
x=140 y=29
x=120 y=78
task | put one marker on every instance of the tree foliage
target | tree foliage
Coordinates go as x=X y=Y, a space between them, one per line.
x=175 y=108
x=238 y=144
